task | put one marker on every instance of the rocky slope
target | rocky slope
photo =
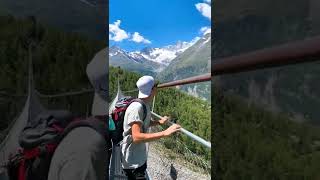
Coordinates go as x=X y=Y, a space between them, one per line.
x=161 y=167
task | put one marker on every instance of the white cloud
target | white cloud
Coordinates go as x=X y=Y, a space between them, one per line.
x=139 y=39
x=205 y=30
x=117 y=34
x=207 y=1
x=205 y=9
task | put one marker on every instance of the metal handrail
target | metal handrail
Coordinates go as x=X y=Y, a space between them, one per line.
x=194 y=79
x=292 y=53
x=189 y=134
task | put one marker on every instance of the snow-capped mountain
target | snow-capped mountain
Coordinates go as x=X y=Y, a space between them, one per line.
x=117 y=51
x=165 y=54
x=153 y=59
x=136 y=62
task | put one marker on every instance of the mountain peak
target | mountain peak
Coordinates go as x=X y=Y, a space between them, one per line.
x=146 y=50
x=114 y=50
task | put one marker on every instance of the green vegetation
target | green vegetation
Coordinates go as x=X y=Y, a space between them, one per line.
x=59 y=62
x=251 y=143
x=192 y=113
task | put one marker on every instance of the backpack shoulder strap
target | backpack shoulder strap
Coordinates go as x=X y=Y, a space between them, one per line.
x=143 y=105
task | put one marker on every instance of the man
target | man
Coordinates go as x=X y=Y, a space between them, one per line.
x=82 y=154
x=134 y=147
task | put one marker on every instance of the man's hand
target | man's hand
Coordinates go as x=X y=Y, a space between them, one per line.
x=172 y=129
x=163 y=120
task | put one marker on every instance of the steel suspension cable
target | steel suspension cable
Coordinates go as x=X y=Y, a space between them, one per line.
x=11 y=95
x=65 y=94
x=133 y=90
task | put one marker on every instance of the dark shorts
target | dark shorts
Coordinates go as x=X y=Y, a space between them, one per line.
x=138 y=173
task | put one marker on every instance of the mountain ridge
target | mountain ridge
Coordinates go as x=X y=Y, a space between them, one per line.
x=162 y=55
x=182 y=60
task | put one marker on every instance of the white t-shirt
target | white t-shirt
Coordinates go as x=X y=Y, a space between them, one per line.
x=134 y=155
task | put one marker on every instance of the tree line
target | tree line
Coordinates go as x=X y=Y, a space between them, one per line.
x=252 y=143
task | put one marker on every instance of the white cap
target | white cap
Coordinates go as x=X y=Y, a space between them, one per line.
x=145 y=85
x=97 y=72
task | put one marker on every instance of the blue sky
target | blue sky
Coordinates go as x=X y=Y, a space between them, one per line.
x=134 y=24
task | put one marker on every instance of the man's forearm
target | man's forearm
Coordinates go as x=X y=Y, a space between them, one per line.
x=146 y=137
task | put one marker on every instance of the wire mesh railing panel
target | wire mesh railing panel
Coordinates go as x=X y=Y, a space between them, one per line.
x=171 y=158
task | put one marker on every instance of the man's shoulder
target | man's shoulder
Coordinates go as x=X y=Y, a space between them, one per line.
x=135 y=105
x=137 y=108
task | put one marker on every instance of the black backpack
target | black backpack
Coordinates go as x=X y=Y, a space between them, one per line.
x=40 y=138
x=117 y=116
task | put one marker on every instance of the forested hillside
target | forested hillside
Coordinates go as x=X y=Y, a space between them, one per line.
x=192 y=113
x=252 y=143
x=59 y=62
